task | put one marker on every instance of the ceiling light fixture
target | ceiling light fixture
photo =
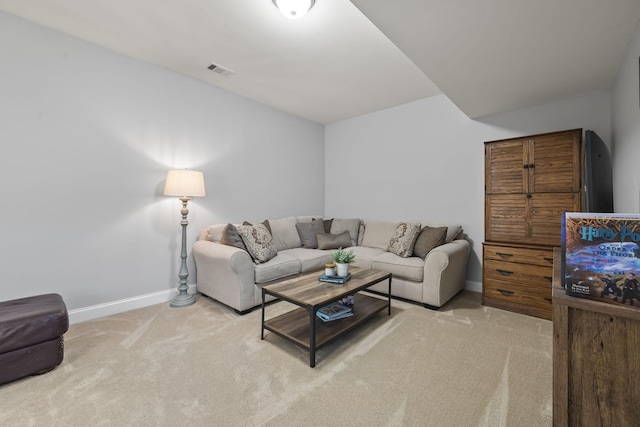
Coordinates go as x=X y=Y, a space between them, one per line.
x=294 y=9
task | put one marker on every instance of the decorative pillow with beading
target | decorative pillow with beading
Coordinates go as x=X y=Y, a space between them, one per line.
x=404 y=239
x=258 y=241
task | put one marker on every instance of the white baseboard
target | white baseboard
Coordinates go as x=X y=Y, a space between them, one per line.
x=473 y=286
x=107 y=309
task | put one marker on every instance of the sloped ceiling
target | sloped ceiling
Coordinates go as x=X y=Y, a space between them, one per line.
x=345 y=59
x=493 y=56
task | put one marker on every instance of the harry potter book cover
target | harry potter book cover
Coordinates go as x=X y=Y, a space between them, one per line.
x=601 y=257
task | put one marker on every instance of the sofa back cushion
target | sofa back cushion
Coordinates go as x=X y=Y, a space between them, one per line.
x=454 y=231
x=378 y=234
x=352 y=225
x=285 y=234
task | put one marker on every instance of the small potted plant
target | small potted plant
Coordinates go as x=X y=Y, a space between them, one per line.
x=342 y=259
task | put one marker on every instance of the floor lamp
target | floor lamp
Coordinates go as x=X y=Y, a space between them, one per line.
x=185 y=184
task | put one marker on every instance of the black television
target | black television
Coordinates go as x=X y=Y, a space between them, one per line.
x=598 y=175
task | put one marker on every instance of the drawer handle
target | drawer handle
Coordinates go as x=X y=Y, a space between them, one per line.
x=505 y=292
x=549 y=259
x=549 y=278
x=548 y=299
x=503 y=255
x=505 y=272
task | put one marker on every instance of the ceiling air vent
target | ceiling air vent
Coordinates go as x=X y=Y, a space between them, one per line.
x=220 y=70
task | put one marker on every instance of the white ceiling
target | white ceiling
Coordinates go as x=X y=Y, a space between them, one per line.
x=341 y=60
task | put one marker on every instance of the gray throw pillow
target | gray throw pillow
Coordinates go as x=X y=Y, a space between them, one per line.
x=334 y=241
x=428 y=239
x=231 y=237
x=352 y=225
x=308 y=231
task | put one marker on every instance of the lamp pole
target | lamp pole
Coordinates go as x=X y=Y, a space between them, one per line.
x=183 y=298
x=185 y=184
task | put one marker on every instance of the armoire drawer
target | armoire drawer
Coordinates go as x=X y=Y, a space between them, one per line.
x=540 y=257
x=526 y=274
x=517 y=293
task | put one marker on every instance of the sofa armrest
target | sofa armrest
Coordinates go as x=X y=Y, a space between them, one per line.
x=445 y=272
x=225 y=273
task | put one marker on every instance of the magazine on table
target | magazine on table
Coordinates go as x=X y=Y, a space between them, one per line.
x=341 y=316
x=601 y=257
x=334 y=279
x=334 y=311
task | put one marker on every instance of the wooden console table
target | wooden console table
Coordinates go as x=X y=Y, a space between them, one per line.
x=596 y=361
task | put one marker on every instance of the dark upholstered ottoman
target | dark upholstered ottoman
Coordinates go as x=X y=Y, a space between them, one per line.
x=31 y=332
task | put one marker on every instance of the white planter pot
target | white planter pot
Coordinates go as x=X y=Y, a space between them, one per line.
x=342 y=270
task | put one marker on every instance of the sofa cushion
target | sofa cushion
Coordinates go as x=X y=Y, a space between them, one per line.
x=284 y=232
x=214 y=232
x=453 y=232
x=258 y=241
x=377 y=234
x=310 y=259
x=365 y=256
x=334 y=241
x=308 y=218
x=327 y=225
x=352 y=225
x=308 y=231
x=278 y=267
x=429 y=238
x=411 y=268
x=404 y=239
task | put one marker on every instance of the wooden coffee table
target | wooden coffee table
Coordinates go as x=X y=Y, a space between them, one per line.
x=301 y=325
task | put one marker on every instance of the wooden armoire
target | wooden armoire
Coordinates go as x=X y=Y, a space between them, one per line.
x=529 y=182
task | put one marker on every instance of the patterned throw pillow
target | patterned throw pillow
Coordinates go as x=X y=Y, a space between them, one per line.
x=429 y=238
x=258 y=241
x=404 y=239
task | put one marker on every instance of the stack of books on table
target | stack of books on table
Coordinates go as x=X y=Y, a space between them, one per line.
x=334 y=279
x=334 y=311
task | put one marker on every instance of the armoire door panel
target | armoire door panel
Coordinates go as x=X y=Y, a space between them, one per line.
x=546 y=216
x=504 y=218
x=504 y=168
x=554 y=160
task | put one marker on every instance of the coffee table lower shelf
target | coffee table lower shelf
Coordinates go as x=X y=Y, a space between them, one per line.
x=294 y=325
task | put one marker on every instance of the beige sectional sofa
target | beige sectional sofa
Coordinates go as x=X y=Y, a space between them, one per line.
x=228 y=273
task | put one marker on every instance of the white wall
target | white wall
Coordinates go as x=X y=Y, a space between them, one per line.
x=425 y=160
x=625 y=100
x=87 y=136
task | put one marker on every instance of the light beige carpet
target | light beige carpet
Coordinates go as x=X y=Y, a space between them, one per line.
x=204 y=365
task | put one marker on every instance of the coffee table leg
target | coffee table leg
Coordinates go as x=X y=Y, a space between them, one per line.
x=389 y=293
x=262 y=323
x=312 y=338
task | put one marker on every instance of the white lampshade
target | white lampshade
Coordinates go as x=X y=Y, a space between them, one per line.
x=294 y=9
x=184 y=182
